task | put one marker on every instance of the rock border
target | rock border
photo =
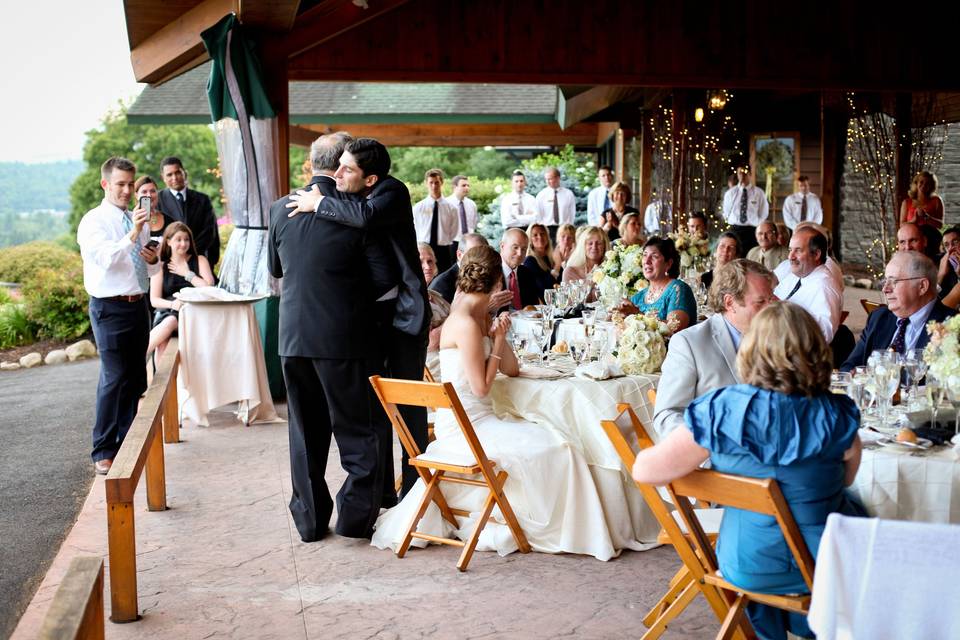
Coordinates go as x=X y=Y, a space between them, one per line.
x=79 y=350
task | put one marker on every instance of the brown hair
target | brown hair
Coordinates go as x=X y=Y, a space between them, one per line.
x=731 y=279
x=545 y=261
x=785 y=351
x=142 y=180
x=173 y=229
x=116 y=163
x=621 y=186
x=480 y=270
x=433 y=173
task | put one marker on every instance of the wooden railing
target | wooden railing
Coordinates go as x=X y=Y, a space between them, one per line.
x=156 y=422
x=76 y=612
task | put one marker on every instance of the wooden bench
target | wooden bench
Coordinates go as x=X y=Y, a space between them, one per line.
x=76 y=612
x=156 y=422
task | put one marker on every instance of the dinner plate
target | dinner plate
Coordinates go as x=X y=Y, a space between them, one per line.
x=921 y=443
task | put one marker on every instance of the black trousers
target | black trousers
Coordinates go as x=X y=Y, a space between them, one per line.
x=333 y=397
x=122 y=332
x=404 y=357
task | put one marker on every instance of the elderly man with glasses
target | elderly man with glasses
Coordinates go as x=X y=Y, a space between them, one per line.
x=910 y=288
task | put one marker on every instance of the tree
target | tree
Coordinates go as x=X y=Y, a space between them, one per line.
x=145 y=145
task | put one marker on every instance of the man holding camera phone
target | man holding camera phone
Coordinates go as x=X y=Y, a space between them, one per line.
x=118 y=260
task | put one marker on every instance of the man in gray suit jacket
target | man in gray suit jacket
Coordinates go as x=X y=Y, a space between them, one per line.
x=703 y=357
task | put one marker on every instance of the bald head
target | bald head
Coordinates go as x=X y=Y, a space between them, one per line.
x=513 y=247
x=325 y=152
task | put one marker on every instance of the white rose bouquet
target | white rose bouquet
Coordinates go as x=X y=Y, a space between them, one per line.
x=942 y=353
x=694 y=251
x=620 y=275
x=642 y=345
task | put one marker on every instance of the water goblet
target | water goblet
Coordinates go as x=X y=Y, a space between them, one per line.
x=916 y=368
x=589 y=319
x=840 y=382
x=549 y=297
x=518 y=342
x=542 y=337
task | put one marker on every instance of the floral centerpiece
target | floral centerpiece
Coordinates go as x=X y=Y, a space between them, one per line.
x=694 y=251
x=642 y=345
x=942 y=353
x=620 y=275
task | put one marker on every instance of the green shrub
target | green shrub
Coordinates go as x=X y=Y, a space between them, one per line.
x=15 y=328
x=5 y=296
x=56 y=303
x=22 y=262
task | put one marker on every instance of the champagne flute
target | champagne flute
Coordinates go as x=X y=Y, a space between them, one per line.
x=916 y=368
x=589 y=318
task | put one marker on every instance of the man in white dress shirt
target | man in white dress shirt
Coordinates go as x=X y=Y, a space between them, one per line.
x=557 y=204
x=518 y=208
x=744 y=207
x=703 y=357
x=598 y=200
x=802 y=206
x=657 y=215
x=809 y=283
x=466 y=209
x=117 y=264
x=435 y=220
x=783 y=269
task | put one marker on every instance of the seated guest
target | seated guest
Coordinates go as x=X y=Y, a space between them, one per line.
x=910 y=238
x=697 y=224
x=539 y=258
x=909 y=286
x=592 y=246
x=703 y=357
x=631 y=232
x=182 y=267
x=809 y=283
x=446 y=282
x=947 y=276
x=781 y=423
x=768 y=252
x=145 y=186
x=517 y=279
x=783 y=269
x=619 y=198
x=439 y=307
x=727 y=249
x=667 y=297
x=566 y=243
x=783 y=235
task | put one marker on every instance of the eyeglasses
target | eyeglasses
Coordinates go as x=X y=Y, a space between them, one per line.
x=892 y=282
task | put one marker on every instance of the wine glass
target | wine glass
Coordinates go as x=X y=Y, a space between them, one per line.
x=916 y=368
x=589 y=319
x=542 y=336
x=840 y=382
x=549 y=297
x=886 y=373
x=599 y=342
x=953 y=394
x=518 y=342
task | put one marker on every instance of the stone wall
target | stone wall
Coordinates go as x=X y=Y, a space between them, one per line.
x=859 y=225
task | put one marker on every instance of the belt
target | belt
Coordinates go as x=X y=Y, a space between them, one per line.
x=137 y=297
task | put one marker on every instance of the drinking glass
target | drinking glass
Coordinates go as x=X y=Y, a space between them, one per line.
x=840 y=382
x=549 y=297
x=863 y=377
x=916 y=368
x=518 y=342
x=886 y=373
x=953 y=394
x=542 y=336
x=599 y=342
x=589 y=318
x=934 y=393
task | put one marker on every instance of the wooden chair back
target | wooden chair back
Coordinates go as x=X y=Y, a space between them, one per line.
x=427 y=376
x=869 y=306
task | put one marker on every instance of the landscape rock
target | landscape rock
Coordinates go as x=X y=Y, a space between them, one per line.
x=849 y=281
x=9 y=366
x=81 y=349
x=864 y=283
x=57 y=356
x=31 y=360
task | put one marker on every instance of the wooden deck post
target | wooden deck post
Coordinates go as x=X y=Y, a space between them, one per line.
x=123 y=562
x=76 y=612
x=171 y=409
x=156 y=474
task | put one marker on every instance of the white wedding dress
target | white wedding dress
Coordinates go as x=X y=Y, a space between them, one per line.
x=550 y=486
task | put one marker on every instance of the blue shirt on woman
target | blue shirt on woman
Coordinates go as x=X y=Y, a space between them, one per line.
x=677 y=296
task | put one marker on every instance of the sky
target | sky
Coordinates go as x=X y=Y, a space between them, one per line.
x=65 y=63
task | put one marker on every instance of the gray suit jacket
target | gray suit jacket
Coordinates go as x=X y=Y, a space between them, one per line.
x=701 y=358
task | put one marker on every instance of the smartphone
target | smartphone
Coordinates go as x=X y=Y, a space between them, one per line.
x=153 y=244
x=145 y=203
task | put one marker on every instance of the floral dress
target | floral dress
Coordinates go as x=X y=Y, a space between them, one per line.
x=677 y=296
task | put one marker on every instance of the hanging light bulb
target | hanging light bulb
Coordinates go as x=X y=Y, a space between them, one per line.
x=698 y=114
x=717 y=99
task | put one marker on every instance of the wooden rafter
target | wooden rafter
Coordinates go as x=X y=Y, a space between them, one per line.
x=455 y=135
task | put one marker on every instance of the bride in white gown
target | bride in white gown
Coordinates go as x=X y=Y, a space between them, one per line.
x=550 y=486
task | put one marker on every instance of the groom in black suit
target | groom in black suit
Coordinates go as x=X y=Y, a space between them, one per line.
x=331 y=277
x=190 y=207
x=910 y=287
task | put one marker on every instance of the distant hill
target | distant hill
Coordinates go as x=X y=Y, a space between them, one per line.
x=25 y=188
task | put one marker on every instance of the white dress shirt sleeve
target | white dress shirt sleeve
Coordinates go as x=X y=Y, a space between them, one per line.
x=99 y=243
x=509 y=210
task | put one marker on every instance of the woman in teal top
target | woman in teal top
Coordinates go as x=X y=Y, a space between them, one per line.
x=782 y=423
x=667 y=296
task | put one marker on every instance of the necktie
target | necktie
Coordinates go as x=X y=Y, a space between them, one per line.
x=435 y=224
x=138 y=264
x=556 y=206
x=796 y=288
x=180 y=198
x=803 y=208
x=463 y=219
x=743 y=206
x=900 y=337
x=515 y=290
x=606 y=200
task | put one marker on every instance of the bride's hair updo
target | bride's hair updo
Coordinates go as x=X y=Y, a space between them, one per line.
x=480 y=270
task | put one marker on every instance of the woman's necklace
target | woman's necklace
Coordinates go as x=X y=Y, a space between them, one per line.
x=654 y=292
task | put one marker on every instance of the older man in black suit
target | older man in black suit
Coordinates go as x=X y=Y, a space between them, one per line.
x=517 y=279
x=330 y=281
x=190 y=207
x=910 y=287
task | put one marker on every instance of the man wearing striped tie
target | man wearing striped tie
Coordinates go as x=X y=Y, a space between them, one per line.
x=810 y=284
x=466 y=209
x=117 y=263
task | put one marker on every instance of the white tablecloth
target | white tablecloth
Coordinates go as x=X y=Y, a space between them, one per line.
x=221 y=362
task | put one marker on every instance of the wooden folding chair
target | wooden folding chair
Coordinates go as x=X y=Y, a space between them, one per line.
x=688 y=581
x=869 y=306
x=431 y=436
x=751 y=494
x=433 y=472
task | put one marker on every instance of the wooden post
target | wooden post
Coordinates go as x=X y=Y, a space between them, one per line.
x=76 y=612
x=646 y=162
x=679 y=153
x=276 y=84
x=904 y=124
x=156 y=475
x=123 y=562
x=833 y=134
x=171 y=410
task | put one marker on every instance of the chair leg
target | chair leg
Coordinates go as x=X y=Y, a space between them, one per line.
x=432 y=488
x=732 y=622
x=681 y=602
x=471 y=543
x=399 y=483
x=678 y=583
x=509 y=516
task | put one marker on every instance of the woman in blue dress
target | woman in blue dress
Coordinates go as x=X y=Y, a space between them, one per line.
x=781 y=423
x=667 y=296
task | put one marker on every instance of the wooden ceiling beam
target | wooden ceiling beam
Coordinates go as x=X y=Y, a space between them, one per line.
x=269 y=15
x=178 y=45
x=455 y=135
x=594 y=100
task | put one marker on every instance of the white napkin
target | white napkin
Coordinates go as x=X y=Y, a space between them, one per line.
x=868 y=435
x=208 y=294
x=540 y=373
x=604 y=369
